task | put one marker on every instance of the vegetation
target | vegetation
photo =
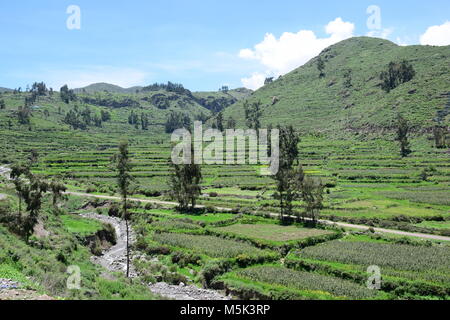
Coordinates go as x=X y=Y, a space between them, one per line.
x=397 y=74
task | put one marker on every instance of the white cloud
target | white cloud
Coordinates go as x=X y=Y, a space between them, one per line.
x=254 y=82
x=291 y=50
x=86 y=75
x=437 y=35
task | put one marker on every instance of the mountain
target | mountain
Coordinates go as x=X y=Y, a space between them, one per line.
x=5 y=89
x=313 y=103
x=106 y=87
x=163 y=96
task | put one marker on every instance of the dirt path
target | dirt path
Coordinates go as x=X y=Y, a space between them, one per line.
x=114 y=259
x=339 y=224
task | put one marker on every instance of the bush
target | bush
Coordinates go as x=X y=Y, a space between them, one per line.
x=183 y=259
x=212 y=270
x=114 y=210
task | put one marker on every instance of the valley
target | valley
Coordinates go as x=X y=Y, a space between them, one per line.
x=379 y=207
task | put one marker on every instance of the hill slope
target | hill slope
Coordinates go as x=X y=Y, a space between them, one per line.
x=312 y=103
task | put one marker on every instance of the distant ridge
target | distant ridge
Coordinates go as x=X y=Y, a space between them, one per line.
x=106 y=87
x=5 y=89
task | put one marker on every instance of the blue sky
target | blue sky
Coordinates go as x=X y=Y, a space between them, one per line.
x=197 y=43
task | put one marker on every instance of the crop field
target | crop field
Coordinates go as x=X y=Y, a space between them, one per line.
x=405 y=268
x=380 y=187
x=211 y=246
x=273 y=232
x=277 y=278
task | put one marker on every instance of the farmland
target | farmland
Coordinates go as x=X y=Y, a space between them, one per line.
x=233 y=241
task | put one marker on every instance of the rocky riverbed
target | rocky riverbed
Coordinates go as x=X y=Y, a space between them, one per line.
x=114 y=259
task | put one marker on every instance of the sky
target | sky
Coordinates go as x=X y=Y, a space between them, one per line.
x=201 y=44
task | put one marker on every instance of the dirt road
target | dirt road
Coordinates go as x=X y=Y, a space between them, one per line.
x=340 y=224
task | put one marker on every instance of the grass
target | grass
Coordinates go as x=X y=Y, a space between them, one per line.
x=81 y=226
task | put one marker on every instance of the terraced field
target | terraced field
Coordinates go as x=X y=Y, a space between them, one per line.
x=366 y=181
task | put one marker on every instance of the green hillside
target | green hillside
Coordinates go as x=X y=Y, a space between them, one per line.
x=314 y=103
x=217 y=101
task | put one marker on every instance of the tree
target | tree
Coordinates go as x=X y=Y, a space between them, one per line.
x=105 y=115
x=39 y=88
x=219 y=122
x=268 y=81
x=66 y=94
x=177 y=120
x=57 y=189
x=124 y=178
x=312 y=195
x=440 y=139
x=33 y=195
x=288 y=179
x=185 y=184
x=321 y=67
x=231 y=123
x=253 y=114
x=396 y=74
x=402 y=136
x=17 y=171
x=2 y=104
x=144 y=121
x=33 y=157
x=348 y=78
x=30 y=189
x=23 y=115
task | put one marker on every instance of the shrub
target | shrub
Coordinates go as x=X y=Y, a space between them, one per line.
x=114 y=210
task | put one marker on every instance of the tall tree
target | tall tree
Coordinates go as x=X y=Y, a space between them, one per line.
x=253 y=114
x=219 y=121
x=288 y=179
x=231 y=123
x=440 y=136
x=402 y=136
x=31 y=189
x=312 y=195
x=185 y=184
x=124 y=178
x=16 y=175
